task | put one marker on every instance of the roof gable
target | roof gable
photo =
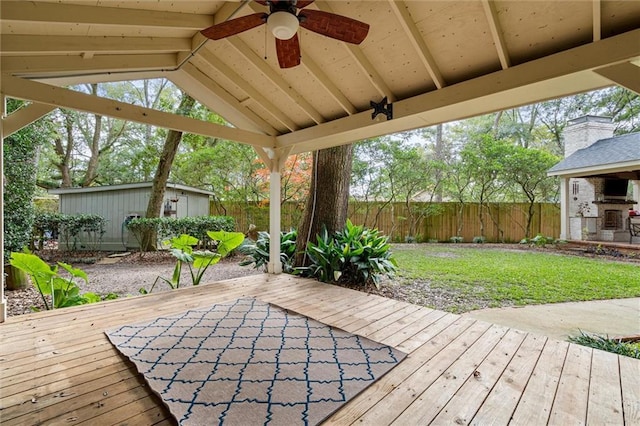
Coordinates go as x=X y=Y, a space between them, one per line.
x=602 y=155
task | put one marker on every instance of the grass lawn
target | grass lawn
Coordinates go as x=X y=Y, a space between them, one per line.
x=475 y=277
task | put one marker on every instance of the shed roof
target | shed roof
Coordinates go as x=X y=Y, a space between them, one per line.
x=126 y=186
x=617 y=154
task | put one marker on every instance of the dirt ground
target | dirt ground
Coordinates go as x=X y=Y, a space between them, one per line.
x=125 y=275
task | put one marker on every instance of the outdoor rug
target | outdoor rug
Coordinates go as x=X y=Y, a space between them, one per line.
x=247 y=362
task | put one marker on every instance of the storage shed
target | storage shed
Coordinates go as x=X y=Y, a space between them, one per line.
x=119 y=203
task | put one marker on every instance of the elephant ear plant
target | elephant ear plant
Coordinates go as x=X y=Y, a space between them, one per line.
x=63 y=291
x=197 y=261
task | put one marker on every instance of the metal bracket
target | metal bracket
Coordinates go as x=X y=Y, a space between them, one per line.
x=382 y=107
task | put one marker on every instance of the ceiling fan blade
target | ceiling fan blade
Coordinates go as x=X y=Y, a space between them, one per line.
x=234 y=26
x=334 y=26
x=288 y=52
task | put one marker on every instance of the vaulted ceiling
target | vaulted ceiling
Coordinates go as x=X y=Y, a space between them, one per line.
x=435 y=61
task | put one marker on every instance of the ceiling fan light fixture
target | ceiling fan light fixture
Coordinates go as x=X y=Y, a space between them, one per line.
x=283 y=25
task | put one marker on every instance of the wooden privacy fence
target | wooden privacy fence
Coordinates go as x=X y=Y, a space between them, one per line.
x=423 y=222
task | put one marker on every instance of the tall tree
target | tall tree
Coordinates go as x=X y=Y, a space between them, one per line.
x=327 y=203
x=162 y=172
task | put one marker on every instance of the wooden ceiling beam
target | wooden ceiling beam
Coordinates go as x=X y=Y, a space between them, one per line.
x=23 y=117
x=326 y=83
x=597 y=20
x=205 y=58
x=207 y=84
x=496 y=33
x=33 y=11
x=557 y=75
x=231 y=10
x=625 y=74
x=28 y=44
x=64 y=98
x=401 y=11
x=52 y=65
x=276 y=79
x=363 y=62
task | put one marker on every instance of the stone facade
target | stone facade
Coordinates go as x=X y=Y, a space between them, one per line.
x=592 y=216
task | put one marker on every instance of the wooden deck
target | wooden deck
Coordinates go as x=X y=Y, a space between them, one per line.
x=58 y=368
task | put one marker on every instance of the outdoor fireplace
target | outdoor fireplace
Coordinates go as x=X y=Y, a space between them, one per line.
x=612 y=219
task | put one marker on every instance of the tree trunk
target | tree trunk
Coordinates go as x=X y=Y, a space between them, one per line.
x=92 y=165
x=327 y=203
x=439 y=156
x=149 y=239
x=63 y=164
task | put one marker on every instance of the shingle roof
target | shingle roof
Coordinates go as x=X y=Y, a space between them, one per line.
x=619 y=149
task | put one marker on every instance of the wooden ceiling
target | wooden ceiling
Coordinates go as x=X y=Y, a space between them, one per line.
x=436 y=61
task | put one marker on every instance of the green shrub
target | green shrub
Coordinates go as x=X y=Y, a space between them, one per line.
x=20 y=185
x=606 y=344
x=197 y=226
x=456 y=239
x=538 y=241
x=479 y=240
x=82 y=231
x=257 y=252
x=355 y=255
x=75 y=231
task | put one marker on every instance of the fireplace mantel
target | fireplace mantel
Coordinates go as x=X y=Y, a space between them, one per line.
x=610 y=201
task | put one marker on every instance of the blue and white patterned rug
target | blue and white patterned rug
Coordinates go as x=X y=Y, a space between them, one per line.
x=247 y=362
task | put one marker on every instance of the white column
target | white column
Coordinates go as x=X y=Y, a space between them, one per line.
x=3 y=301
x=635 y=186
x=564 y=209
x=274 y=266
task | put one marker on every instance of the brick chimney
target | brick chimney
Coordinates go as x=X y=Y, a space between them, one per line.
x=584 y=131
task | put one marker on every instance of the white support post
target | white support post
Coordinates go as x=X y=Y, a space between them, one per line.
x=564 y=209
x=3 y=301
x=635 y=187
x=274 y=266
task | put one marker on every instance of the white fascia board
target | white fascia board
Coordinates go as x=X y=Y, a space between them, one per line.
x=627 y=166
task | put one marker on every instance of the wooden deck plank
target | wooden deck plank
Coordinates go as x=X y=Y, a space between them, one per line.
x=467 y=400
x=501 y=402
x=111 y=382
x=63 y=361
x=630 y=381
x=536 y=402
x=570 y=404
x=433 y=345
x=405 y=393
x=414 y=319
x=428 y=404
x=605 y=396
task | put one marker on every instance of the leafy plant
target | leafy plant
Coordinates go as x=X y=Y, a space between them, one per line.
x=456 y=239
x=615 y=346
x=479 y=240
x=198 y=261
x=81 y=230
x=63 y=291
x=538 y=241
x=19 y=183
x=197 y=227
x=355 y=255
x=257 y=253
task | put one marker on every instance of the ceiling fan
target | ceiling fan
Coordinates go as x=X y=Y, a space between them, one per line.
x=284 y=19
